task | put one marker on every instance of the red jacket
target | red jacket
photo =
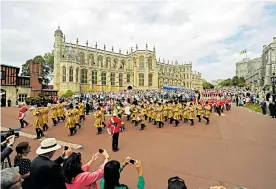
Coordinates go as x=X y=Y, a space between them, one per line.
x=110 y=125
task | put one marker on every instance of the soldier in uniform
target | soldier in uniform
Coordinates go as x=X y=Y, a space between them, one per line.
x=149 y=111
x=142 y=114
x=81 y=111
x=38 y=122
x=170 y=110
x=98 y=120
x=121 y=113
x=191 y=113
x=103 y=114
x=176 y=115
x=159 y=115
x=45 y=112
x=165 y=114
x=70 y=124
x=185 y=113
x=54 y=114
x=199 y=111
x=77 y=116
x=207 y=112
x=134 y=111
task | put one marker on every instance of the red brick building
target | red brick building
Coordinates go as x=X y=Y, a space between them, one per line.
x=16 y=88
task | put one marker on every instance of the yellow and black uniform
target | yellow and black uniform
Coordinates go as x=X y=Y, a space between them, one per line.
x=60 y=113
x=77 y=116
x=153 y=116
x=121 y=113
x=185 y=113
x=70 y=123
x=159 y=115
x=199 y=112
x=103 y=115
x=191 y=113
x=134 y=112
x=149 y=112
x=142 y=113
x=38 y=123
x=207 y=112
x=54 y=114
x=45 y=112
x=98 y=120
x=170 y=112
x=81 y=111
x=176 y=114
x=165 y=110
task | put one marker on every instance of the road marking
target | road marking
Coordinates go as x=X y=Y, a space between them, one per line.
x=62 y=143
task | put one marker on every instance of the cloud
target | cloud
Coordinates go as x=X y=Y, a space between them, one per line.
x=208 y=33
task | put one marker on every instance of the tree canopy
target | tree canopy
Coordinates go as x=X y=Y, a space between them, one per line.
x=235 y=81
x=207 y=85
x=47 y=62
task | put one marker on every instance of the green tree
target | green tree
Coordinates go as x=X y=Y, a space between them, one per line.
x=235 y=80
x=207 y=85
x=68 y=94
x=47 y=62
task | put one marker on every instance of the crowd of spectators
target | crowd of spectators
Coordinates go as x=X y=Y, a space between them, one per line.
x=66 y=171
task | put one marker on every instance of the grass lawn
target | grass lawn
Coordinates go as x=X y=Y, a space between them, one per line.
x=253 y=107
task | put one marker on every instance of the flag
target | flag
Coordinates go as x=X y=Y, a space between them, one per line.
x=243 y=51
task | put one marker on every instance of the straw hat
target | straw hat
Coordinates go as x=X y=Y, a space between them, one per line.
x=48 y=145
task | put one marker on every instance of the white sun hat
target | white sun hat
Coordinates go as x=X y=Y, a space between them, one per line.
x=48 y=145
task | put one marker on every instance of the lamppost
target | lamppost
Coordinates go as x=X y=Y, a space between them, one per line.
x=273 y=81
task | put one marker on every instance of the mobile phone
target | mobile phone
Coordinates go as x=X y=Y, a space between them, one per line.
x=132 y=161
x=101 y=150
x=66 y=147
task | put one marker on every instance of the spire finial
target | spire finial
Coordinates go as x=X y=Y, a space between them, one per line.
x=153 y=48
x=104 y=47
x=96 y=45
x=77 y=40
x=146 y=46
x=87 y=43
x=112 y=49
x=136 y=47
x=59 y=26
x=119 y=51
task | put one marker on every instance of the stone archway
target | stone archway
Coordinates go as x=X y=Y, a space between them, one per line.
x=3 y=98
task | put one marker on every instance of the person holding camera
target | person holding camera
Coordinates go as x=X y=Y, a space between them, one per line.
x=7 y=146
x=112 y=171
x=78 y=176
x=113 y=128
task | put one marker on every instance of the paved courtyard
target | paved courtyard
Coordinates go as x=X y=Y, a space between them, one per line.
x=238 y=149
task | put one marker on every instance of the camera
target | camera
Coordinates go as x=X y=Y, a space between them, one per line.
x=10 y=132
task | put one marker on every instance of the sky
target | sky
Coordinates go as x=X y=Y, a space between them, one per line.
x=210 y=34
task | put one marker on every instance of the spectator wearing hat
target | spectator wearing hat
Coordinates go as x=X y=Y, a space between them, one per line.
x=44 y=172
x=113 y=128
x=10 y=178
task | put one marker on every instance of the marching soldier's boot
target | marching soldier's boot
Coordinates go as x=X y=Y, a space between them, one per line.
x=171 y=120
x=192 y=122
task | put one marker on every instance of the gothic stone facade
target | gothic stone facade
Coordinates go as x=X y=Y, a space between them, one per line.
x=85 y=69
x=257 y=72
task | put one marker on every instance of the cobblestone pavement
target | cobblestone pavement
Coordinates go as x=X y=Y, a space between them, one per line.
x=238 y=149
